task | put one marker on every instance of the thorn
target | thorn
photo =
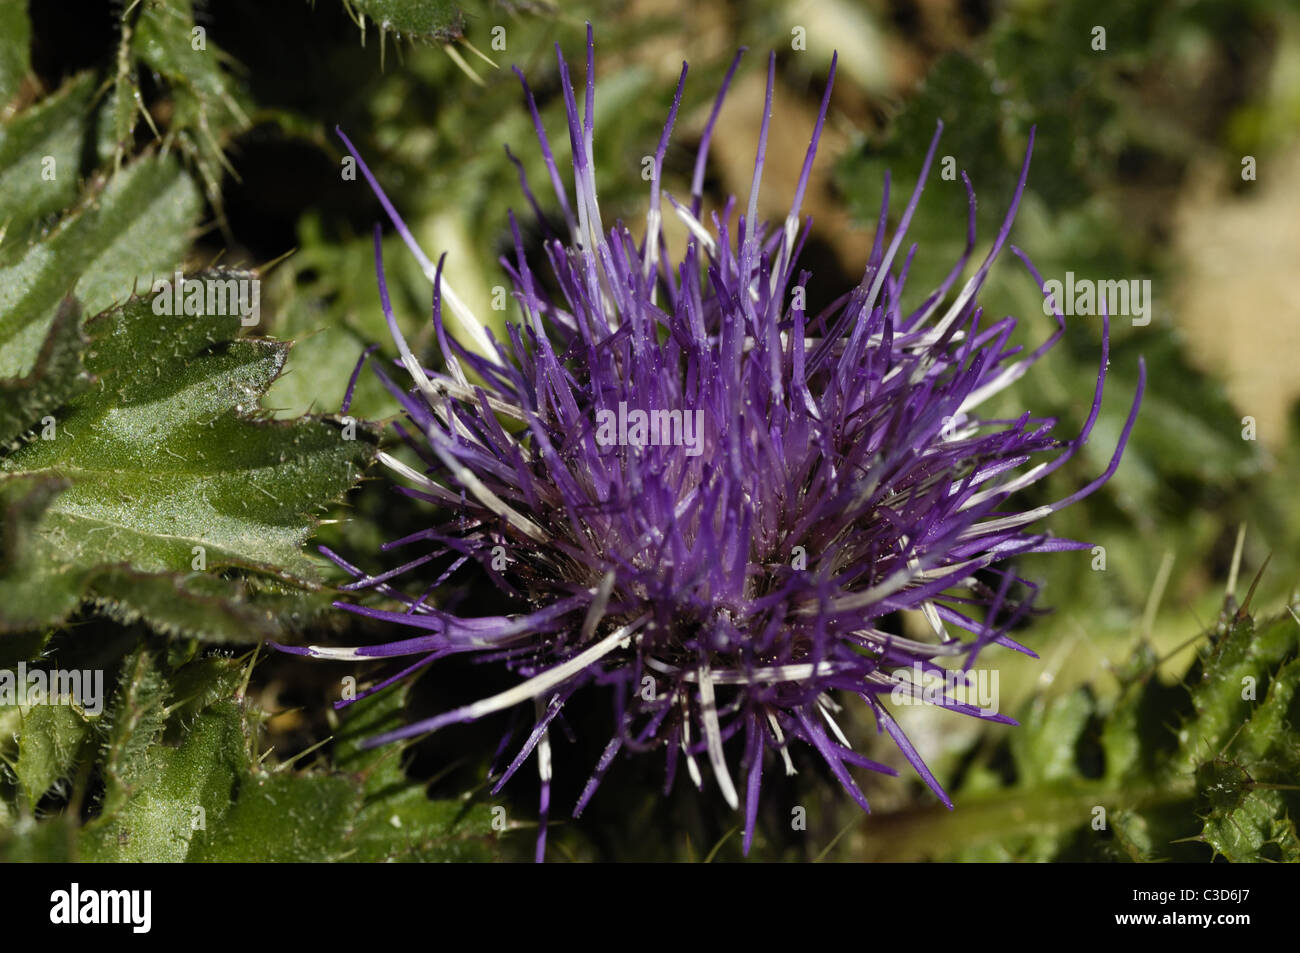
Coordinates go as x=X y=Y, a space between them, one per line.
x=248 y=673
x=265 y=269
x=479 y=53
x=464 y=67
x=1186 y=643
x=1157 y=593
x=1230 y=592
x=1228 y=744
x=301 y=754
x=718 y=846
x=1243 y=612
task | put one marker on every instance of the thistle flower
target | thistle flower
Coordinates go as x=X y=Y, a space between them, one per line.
x=780 y=481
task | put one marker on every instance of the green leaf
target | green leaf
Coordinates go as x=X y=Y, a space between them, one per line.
x=1251 y=769
x=181 y=783
x=56 y=377
x=15 y=47
x=158 y=795
x=429 y=20
x=397 y=819
x=1159 y=772
x=34 y=586
x=283 y=818
x=50 y=738
x=168 y=470
x=40 y=157
x=132 y=726
x=162 y=37
x=1237 y=672
x=114 y=488
x=1046 y=747
x=136 y=223
x=180 y=788
x=215 y=608
x=139 y=220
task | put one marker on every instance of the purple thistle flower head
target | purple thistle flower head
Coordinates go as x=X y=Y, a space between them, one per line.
x=708 y=499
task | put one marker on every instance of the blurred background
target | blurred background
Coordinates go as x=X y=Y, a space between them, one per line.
x=1167 y=150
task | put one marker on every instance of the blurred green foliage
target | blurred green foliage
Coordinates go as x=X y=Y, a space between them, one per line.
x=1157 y=772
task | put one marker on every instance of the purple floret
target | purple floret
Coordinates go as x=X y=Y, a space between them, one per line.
x=726 y=584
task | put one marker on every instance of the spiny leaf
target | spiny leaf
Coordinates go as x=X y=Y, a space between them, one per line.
x=216 y=608
x=282 y=818
x=50 y=738
x=162 y=37
x=1247 y=817
x=1159 y=772
x=158 y=793
x=398 y=820
x=181 y=782
x=167 y=470
x=33 y=588
x=180 y=789
x=133 y=725
x=136 y=223
x=421 y=19
x=1238 y=666
x=57 y=376
x=40 y=157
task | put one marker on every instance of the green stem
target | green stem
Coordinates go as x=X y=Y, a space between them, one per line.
x=923 y=833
